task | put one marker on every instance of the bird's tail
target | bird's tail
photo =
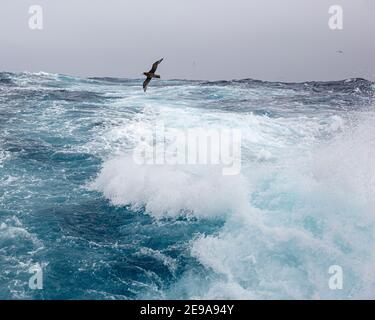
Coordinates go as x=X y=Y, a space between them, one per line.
x=156 y=76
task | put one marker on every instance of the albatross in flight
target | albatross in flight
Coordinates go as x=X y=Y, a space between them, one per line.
x=151 y=74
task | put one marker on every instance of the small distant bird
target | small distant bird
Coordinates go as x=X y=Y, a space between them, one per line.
x=151 y=74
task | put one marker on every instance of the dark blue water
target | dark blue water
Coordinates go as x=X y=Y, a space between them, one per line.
x=72 y=203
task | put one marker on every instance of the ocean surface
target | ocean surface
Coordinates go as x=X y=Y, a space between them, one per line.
x=73 y=202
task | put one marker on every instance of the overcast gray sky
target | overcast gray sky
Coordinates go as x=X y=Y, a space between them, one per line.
x=287 y=40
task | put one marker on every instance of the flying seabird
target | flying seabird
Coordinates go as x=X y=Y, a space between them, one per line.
x=151 y=74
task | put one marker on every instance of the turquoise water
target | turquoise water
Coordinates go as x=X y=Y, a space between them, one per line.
x=101 y=227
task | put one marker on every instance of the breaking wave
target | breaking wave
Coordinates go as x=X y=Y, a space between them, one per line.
x=78 y=204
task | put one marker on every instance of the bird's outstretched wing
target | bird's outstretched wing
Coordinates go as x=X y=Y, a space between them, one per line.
x=155 y=65
x=145 y=84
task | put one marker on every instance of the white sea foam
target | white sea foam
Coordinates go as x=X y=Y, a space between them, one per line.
x=165 y=190
x=14 y=235
x=303 y=202
x=3 y=157
x=197 y=189
x=321 y=216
